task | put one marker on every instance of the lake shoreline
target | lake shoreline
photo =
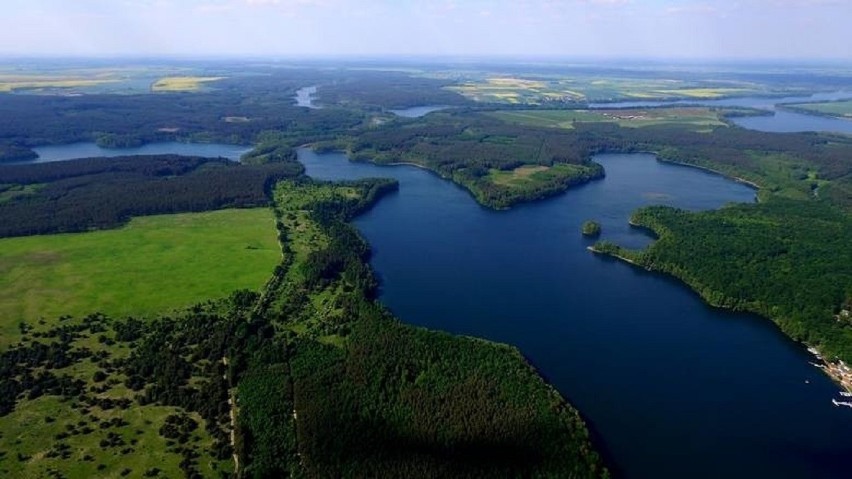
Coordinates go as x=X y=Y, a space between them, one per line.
x=838 y=371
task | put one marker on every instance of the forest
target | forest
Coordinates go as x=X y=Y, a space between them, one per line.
x=80 y=195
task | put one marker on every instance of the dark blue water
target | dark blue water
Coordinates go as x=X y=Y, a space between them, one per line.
x=672 y=387
x=91 y=150
x=417 y=111
x=778 y=121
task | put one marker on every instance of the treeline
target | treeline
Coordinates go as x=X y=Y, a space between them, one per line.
x=388 y=90
x=101 y=193
x=399 y=401
x=787 y=260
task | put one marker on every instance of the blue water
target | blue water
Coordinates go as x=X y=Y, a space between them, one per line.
x=90 y=150
x=417 y=111
x=778 y=121
x=671 y=387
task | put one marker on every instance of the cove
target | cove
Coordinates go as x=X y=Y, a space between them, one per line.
x=91 y=150
x=778 y=121
x=671 y=387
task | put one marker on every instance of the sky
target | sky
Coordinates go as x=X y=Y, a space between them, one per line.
x=678 y=29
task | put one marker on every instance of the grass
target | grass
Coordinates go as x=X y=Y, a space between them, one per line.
x=529 y=175
x=182 y=83
x=154 y=264
x=841 y=109
x=10 y=192
x=692 y=118
x=26 y=432
x=33 y=430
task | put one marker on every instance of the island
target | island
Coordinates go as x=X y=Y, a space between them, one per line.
x=591 y=229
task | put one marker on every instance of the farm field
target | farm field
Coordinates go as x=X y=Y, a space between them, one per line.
x=538 y=89
x=153 y=264
x=182 y=83
x=692 y=118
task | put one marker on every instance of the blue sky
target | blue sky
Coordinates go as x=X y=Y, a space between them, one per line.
x=725 y=29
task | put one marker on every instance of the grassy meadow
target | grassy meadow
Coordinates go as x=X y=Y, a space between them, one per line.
x=529 y=175
x=153 y=264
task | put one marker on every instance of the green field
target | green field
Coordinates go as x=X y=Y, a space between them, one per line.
x=153 y=264
x=529 y=175
x=841 y=109
x=692 y=118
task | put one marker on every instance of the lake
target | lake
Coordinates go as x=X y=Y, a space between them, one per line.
x=90 y=150
x=778 y=121
x=417 y=111
x=671 y=387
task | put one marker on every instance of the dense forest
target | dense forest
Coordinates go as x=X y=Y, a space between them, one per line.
x=380 y=91
x=92 y=193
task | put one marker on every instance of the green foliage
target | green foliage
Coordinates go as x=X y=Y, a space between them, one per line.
x=267 y=430
x=467 y=148
x=591 y=228
x=105 y=192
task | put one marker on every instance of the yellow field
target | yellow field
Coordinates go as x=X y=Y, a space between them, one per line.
x=10 y=84
x=704 y=92
x=182 y=83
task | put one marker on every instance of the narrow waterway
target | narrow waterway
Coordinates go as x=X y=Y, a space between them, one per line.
x=671 y=387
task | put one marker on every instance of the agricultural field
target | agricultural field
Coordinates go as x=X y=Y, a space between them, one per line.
x=692 y=118
x=154 y=264
x=86 y=79
x=538 y=89
x=842 y=109
x=183 y=83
